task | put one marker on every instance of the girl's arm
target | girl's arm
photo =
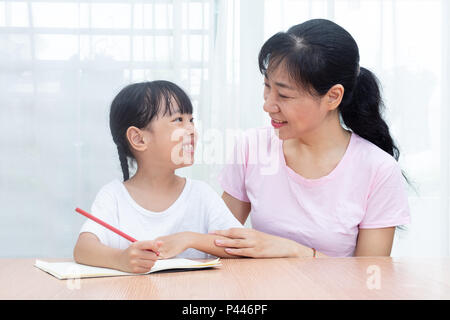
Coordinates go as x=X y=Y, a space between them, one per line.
x=206 y=243
x=176 y=243
x=89 y=250
x=235 y=243
x=136 y=258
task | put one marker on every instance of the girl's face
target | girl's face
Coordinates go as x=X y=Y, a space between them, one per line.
x=294 y=111
x=173 y=139
x=169 y=140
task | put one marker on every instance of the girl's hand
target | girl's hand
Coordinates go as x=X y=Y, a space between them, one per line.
x=137 y=258
x=252 y=243
x=173 y=244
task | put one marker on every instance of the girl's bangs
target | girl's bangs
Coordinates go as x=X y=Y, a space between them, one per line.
x=166 y=98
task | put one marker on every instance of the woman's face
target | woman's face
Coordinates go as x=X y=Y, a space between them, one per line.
x=293 y=110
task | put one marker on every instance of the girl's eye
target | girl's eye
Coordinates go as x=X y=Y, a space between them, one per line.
x=192 y=120
x=178 y=119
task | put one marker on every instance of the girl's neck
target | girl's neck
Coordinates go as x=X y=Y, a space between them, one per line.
x=155 y=189
x=154 y=178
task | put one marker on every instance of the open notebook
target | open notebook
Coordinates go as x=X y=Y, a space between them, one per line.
x=72 y=270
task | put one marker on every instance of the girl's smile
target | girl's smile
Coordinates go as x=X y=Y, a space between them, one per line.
x=188 y=145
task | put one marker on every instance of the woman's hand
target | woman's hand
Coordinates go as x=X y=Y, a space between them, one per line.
x=173 y=244
x=252 y=243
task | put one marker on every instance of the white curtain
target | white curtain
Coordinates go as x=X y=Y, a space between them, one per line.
x=62 y=62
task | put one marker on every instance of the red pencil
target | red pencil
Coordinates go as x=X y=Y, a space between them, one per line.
x=110 y=227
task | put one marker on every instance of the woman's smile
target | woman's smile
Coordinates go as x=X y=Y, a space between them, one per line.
x=278 y=123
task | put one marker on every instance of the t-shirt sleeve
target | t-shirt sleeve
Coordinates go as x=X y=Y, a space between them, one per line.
x=388 y=201
x=232 y=176
x=104 y=208
x=219 y=216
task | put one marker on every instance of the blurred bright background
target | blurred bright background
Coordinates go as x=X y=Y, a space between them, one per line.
x=62 y=62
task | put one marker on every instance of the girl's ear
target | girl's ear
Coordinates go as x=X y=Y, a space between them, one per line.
x=334 y=96
x=137 y=139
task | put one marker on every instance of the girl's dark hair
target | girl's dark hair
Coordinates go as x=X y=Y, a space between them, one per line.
x=137 y=105
x=317 y=55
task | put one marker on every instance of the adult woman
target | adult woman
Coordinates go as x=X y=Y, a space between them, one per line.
x=338 y=189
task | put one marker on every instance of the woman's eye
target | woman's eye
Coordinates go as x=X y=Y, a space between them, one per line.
x=280 y=95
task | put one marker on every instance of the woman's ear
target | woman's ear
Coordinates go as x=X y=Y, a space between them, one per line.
x=137 y=139
x=334 y=96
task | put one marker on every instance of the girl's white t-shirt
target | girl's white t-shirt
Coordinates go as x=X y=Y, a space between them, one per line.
x=198 y=209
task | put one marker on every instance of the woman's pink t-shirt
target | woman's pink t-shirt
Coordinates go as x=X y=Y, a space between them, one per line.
x=365 y=190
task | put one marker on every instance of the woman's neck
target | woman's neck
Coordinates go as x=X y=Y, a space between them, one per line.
x=317 y=153
x=327 y=137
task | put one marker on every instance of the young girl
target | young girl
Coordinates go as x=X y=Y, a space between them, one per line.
x=151 y=122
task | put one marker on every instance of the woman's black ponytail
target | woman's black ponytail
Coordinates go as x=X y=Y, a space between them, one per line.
x=362 y=113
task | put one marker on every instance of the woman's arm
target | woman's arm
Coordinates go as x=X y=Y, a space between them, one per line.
x=252 y=243
x=136 y=258
x=240 y=209
x=256 y=244
x=374 y=242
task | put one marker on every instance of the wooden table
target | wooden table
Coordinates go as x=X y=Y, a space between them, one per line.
x=242 y=279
